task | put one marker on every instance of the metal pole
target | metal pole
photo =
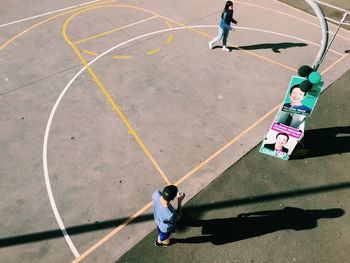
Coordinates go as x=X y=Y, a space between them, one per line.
x=324 y=28
x=336 y=32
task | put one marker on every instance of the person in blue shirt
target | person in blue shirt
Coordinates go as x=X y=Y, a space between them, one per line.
x=164 y=213
x=224 y=26
x=296 y=96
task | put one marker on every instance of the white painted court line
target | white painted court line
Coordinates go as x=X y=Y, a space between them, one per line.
x=46 y=173
x=52 y=113
x=49 y=13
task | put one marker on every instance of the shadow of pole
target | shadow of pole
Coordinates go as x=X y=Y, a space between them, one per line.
x=74 y=230
x=275 y=47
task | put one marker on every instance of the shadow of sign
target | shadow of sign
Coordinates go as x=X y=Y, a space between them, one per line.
x=321 y=142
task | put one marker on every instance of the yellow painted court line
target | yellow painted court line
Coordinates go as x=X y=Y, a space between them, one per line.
x=153 y=51
x=235 y=139
x=170 y=38
x=334 y=63
x=90 y=52
x=142 y=210
x=49 y=19
x=265 y=58
x=111 y=234
x=109 y=98
x=113 y=30
x=191 y=29
x=244 y=50
x=121 y=57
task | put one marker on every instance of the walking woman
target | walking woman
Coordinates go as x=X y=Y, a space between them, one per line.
x=224 y=26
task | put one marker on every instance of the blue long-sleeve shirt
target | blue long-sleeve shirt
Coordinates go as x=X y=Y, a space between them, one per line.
x=226 y=19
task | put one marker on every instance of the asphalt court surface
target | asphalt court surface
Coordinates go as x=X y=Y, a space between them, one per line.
x=295 y=211
x=154 y=106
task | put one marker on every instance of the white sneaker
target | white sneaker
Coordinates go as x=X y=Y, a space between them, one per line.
x=225 y=48
x=210 y=45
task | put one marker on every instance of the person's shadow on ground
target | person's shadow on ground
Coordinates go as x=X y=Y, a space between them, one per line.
x=226 y=230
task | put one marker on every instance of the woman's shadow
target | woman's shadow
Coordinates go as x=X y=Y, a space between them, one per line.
x=226 y=230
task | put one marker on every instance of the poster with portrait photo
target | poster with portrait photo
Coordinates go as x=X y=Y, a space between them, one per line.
x=280 y=141
x=299 y=102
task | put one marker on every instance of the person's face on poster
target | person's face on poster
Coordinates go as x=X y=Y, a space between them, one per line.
x=281 y=140
x=296 y=96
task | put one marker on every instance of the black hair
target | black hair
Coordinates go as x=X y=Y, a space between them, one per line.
x=226 y=8
x=296 y=86
x=169 y=192
x=283 y=133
